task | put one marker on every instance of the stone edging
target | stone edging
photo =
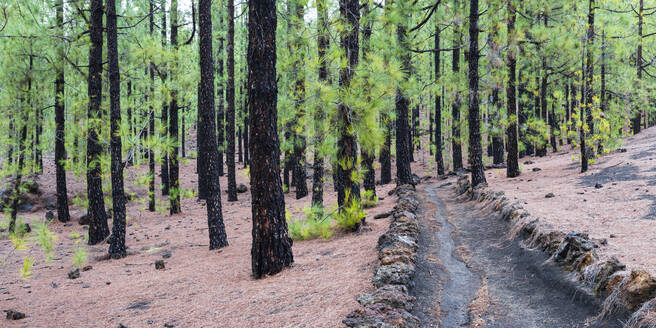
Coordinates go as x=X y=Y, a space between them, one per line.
x=622 y=290
x=390 y=304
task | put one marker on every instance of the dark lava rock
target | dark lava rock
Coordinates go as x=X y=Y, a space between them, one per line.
x=159 y=265
x=74 y=274
x=50 y=216
x=87 y=268
x=392 y=295
x=529 y=162
x=381 y=315
x=621 y=150
x=415 y=179
x=51 y=203
x=166 y=254
x=382 y=215
x=14 y=315
x=598 y=186
x=573 y=246
x=549 y=195
x=84 y=219
x=537 y=169
x=241 y=188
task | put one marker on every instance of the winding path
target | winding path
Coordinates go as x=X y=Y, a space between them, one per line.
x=470 y=274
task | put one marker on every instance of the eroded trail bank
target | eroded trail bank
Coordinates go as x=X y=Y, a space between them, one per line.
x=471 y=274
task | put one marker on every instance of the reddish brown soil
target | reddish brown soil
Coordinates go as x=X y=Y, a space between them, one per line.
x=198 y=288
x=622 y=211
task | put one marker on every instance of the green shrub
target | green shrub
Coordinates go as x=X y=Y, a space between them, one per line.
x=369 y=199
x=350 y=215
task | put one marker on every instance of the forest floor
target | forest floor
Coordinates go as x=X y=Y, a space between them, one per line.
x=198 y=288
x=615 y=200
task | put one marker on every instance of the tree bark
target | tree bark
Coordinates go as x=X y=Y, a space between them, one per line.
x=512 y=168
x=230 y=114
x=456 y=148
x=323 y=45
x=207 y=146
x=98 y=228
x=63 y=214
x=439 y=158
x=475 y=149
x=271 y=250
x=164 y=120
x=403 y=170
x=174 y=168
x=117 y=241
x=347 y=148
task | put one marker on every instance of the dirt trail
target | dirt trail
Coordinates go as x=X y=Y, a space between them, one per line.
x=469 y=274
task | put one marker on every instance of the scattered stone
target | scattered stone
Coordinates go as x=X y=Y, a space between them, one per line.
x=84 y=219
x=51 y=203
x=415 y=179
x=598 y=186
x=169 y=325
x=612 y=235
x=87 y=268
x=382 y=215
x=241 y=188
x=53 y=284
x=74 y=274
x=50 y=216
x=381 y=315
x=27 y=286
x=159 y=265
x=549 y=195
x=166 y=254
x=529 y=162
x=621 y=150
x=14 y=315
x=120 y=325
x=445 y=184
x=537 y=169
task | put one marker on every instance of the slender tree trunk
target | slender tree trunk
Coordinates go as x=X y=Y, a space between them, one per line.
x=589 y=72
x=456 y=149
x=63 y=214
x=271 y=251
x=403 y=170
x=385 y=152
x=439 y=158
x=368 y=155
x=220 y=123
x=117 y=241
x=637 y=118
x=347 y=148
x=230 y=115
x=475 y=149
x=207 y=146
x=164 y=117
x=174 y=169
x=512 y=168
x=300 y=175
x=497 y=139
x=98 y=228
x=323 y=45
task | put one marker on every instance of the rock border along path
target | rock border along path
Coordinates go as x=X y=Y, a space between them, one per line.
x=624 y=291
x=390 y=304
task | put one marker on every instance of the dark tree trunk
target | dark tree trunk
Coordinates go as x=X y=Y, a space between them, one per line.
x=98 y=228
x=117 y=241
x=323 y=45
x=368 y=155
x=240 y=142
x=439 y=158
x=637 y=118
x=230 y=114
x=456 y=149
x=60 y=127
x=151 y=119
x=347 y=148
x=385 y=152
x=271 y=251
x=15 y=197
x=512 y=169
x=403 y=170
x=164 y=123
x=207 y=145
x=220 y=117
x=300 y=176
x=497 y=139
x=589 y=72
x=174 y=168
x=129 y=112
x=475 y=149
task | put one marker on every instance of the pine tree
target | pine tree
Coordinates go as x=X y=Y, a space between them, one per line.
x=98 y=228
x=475 y=150
x=230 y=97
x=271 y=251
x=60 y=122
